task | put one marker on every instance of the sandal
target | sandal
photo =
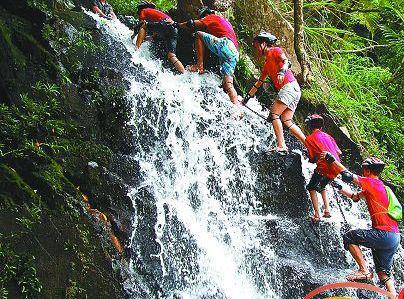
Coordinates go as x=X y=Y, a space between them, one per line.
x=360 y=276
x=315 y=219
x=327 y=214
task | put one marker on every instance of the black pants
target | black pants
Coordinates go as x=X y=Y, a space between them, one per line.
x=165 y=32
x=317 y=182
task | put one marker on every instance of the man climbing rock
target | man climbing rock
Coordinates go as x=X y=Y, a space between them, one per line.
x=217 y=34
x=103 y=9
x=155 y=22
x=276 y=66
x=384 y=237
x=317 y=142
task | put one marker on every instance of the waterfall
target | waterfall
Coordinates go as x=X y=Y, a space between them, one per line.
x=200 y=229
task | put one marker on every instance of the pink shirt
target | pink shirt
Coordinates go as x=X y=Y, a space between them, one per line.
x=219 y=27
x=378 y=203
x=273 y=64
x=318 y=142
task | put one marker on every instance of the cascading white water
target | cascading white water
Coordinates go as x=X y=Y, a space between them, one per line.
x=198 y=172
x=195 y=167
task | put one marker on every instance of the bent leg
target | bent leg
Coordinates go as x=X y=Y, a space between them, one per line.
x=141 y=36
x=287 y=119
x=352 y=240
x=228 y=87
x=357 y=254
x=176 y=62
x=326 y=201
x=200 y=53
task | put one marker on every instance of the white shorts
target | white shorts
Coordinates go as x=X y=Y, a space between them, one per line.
x=290 y=95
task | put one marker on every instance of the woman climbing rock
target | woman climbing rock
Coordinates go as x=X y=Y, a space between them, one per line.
x=276 y=66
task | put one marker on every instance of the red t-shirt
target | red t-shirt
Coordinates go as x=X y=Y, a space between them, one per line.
x=152 y=15
x=272 y=66
x=318 y=142
x=219 y=27
x=378 y=203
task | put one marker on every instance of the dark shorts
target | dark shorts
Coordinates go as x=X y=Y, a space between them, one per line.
x=165 y=32
x=383 y=245
x=317 y=182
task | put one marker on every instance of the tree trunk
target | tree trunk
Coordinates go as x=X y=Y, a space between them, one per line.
x=254 y=16
x=299 y=39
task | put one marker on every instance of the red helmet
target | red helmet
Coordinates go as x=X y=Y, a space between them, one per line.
x=373 y=161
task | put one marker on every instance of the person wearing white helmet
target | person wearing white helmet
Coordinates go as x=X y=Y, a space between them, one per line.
x=277 y=67
x=384 y=236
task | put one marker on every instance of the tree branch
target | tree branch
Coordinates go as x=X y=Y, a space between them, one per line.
x=299 y=39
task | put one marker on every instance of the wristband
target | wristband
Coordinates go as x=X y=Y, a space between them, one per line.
x=329 y=158
x=282 y=72
x=190 y=24
x=347 y=176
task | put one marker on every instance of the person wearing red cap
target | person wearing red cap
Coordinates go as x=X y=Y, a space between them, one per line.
x=384 y=236
x=317 y=142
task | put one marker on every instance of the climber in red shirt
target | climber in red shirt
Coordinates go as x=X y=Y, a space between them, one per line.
x=316 y=143
x=384 y=236
x=160 y=24
x=217 y=34
x=277 y=67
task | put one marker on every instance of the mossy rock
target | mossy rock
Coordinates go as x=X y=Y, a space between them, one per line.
x=13 y=188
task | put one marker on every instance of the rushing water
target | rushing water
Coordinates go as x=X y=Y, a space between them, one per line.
x=200 y=230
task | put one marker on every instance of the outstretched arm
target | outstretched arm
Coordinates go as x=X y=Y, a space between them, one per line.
x=98 y=11
x=346 y=175
x=355 y=196
x=257 y=85
x=192 y=25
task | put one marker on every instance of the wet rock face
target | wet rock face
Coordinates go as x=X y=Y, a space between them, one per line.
x=219 y=5
x=189 y=9
x=282 y=184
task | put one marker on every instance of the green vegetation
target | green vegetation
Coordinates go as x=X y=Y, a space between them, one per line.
x=355 y=49
x=47 y=137
x=20 y=269
x=128 y=7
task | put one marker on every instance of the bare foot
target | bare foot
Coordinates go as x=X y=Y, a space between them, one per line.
x=278 y=149
x=315 y=218
x=195 y=68
x=327 y=214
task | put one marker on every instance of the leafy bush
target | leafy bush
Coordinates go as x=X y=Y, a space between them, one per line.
x=359 y=95
x=20 y=269
x=128 y=7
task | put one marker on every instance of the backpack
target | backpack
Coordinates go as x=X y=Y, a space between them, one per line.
x=395 y=209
